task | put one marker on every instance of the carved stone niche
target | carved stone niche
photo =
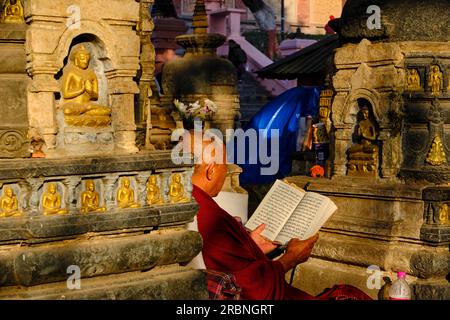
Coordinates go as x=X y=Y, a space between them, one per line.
x=363 y=154
x=103 y=26
x=436 y=226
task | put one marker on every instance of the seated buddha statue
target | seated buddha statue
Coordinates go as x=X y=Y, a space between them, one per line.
x=90 y=199
x=363 y=156
x=13 y=12
x=153 y=191
x=9 y=204
x=125 y=195
x=51 y=201
x=176 y=190
x=79 y=90
x=367 y=135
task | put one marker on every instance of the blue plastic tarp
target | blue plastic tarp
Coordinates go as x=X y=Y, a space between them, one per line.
x=282 y=114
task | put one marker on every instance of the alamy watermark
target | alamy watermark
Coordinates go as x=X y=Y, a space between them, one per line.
x=374 y=20
x=74 y=280
x=242 y=147
x=74 y=20
x=374 y=280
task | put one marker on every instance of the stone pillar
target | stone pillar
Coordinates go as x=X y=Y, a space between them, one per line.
x=141 y=180
x=122 y=91
x=35 y=184
x=41 y=103
x=342 y=137
x=70 y=196
x=110 y=197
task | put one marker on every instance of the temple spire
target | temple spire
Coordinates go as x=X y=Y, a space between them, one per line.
x=200 y=19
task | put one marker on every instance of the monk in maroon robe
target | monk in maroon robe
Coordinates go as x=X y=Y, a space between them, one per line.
x=228 y=247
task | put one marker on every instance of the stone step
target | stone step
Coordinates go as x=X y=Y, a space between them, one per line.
x=253 y=97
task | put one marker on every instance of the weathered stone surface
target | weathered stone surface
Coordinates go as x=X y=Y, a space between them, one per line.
x=376 y=224
x=11 y=169
x=102 y=255
x=400 y=20
x=39 y=228
x=14 y=81
x=160 y=283
x=432 y=290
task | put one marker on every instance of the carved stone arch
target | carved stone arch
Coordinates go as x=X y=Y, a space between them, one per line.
x=351 y=108
x=103 y=35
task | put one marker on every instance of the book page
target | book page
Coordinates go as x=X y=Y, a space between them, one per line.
x=275 y=209
x=312 y=212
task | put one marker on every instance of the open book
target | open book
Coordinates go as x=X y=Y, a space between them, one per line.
x=290 y=212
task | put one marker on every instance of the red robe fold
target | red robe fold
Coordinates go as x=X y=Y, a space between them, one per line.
x=228 y=247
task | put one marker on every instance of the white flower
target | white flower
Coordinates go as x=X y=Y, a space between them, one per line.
x=211 y=105
x=180 y=106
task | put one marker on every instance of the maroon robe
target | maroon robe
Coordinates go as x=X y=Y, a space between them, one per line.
x=228 y=247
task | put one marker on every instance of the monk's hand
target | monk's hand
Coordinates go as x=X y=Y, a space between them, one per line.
x=298 y=251
x=264 y=244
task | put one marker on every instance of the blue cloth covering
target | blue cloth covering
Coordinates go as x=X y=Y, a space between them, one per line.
x=282 y=113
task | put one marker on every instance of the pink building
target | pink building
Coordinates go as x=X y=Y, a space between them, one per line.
x=310 y=15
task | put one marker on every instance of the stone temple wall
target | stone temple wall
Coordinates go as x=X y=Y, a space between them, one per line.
x=396 y=218
x=121 y=253
x=95 y=208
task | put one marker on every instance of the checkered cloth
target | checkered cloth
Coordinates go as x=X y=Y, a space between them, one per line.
x=222 y=286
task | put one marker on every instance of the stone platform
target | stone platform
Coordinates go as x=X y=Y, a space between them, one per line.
x=132 y=253
x=376 y=224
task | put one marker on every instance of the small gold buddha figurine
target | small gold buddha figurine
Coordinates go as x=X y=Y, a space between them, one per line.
x=13 y=12
x=412 y=80
x=435 y=80
x=9 y=204
x=153 y=191
x=176 y=190
x=51 y=201
x=436 y=156
x=444 y=214
x=125 y=195
x=79 y=89
x=90 y=199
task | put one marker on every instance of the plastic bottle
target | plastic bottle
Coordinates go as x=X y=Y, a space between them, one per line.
x=400 y=289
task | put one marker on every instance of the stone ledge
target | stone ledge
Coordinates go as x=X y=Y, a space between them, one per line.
x=361 y=187
x=161 y=283
x=47 y=228
x=13 y=169
x=29 y=266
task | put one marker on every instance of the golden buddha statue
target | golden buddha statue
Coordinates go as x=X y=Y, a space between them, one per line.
x=366 y=133
x=9 y=204
x=79 y=89
x=13 y=12
x=51 y=201
x=176 y=190
x=363 y=156
x=125 y=195
x=320 y=129
x=412 y=80
x=153 y=191
x=90 y=199
x=436 y=155
x=435 y=80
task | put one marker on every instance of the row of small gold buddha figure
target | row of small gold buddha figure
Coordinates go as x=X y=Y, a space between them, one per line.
x=90 y=198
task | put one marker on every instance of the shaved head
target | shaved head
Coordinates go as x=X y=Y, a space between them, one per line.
x=210 y=160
